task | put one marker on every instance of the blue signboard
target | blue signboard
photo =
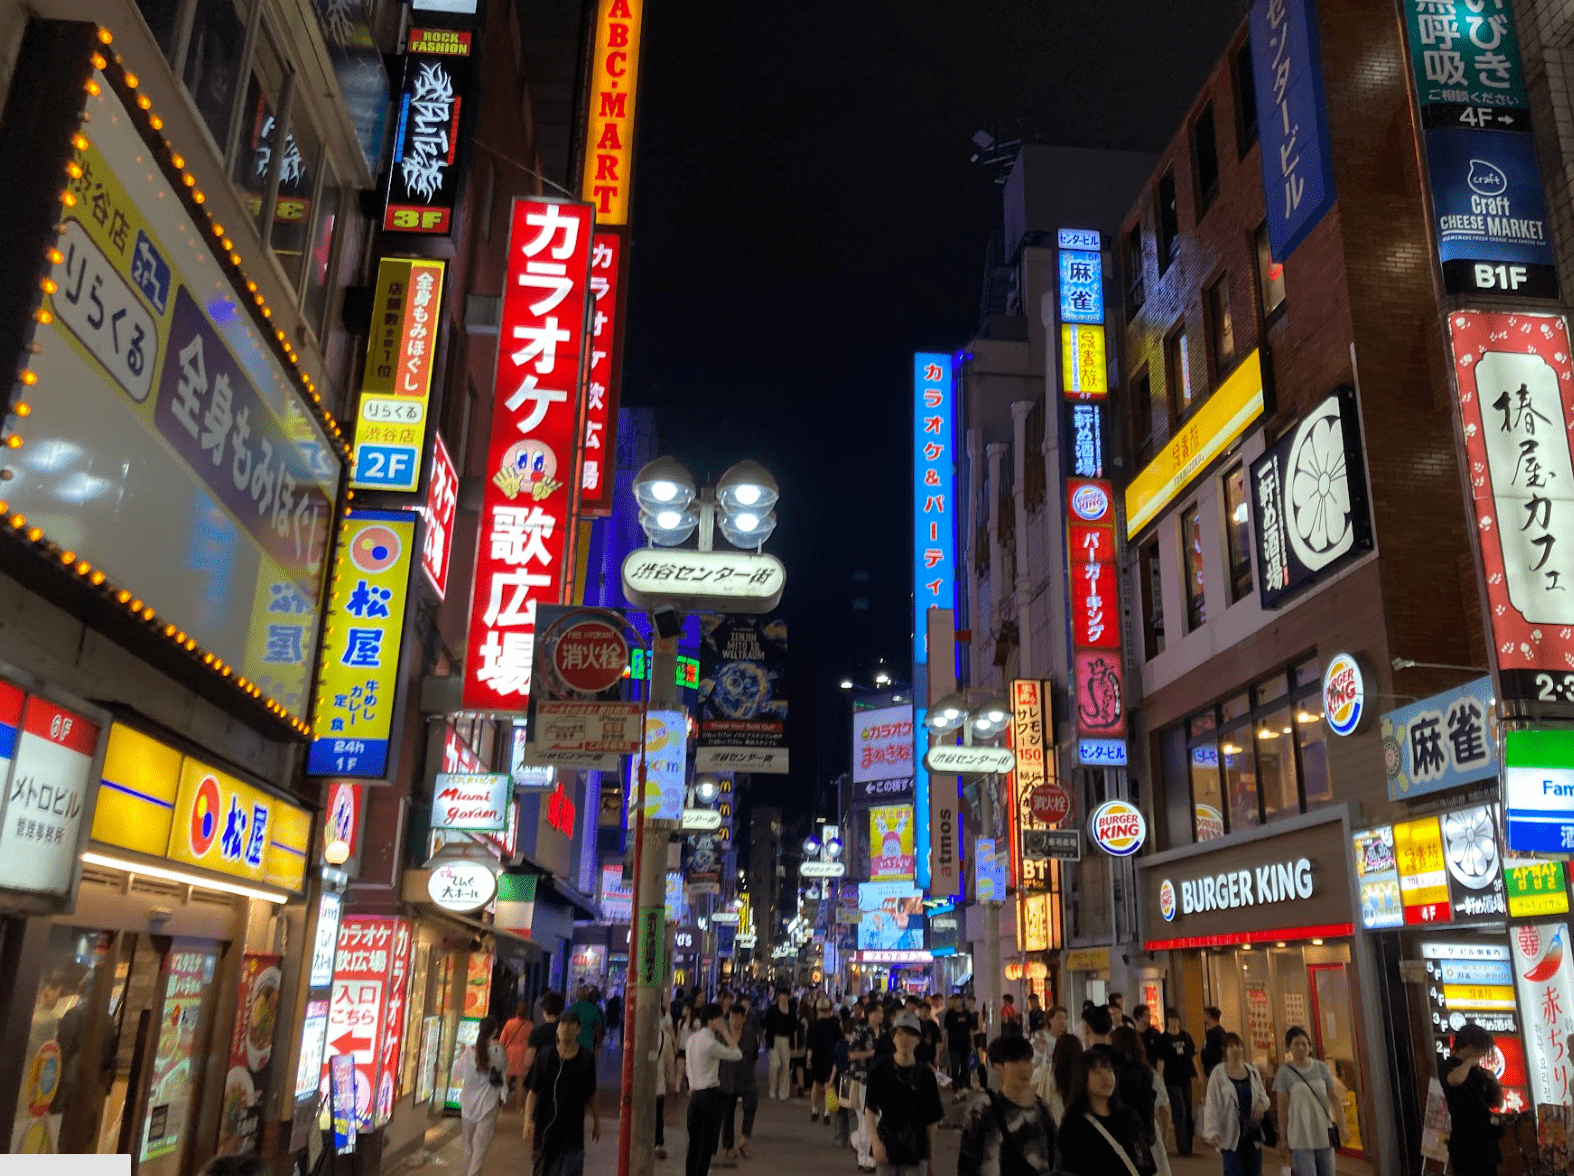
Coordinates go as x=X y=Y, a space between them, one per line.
x=1492 y=232
x=1297 y=165
x=1081 y=286
x=1441 y=742
x=934 y=495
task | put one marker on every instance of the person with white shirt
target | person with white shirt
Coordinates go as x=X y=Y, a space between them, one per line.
x=478 y=1073
x=707 y=1049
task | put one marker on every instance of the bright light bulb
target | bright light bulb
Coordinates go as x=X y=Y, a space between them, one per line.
x=747 y=494
x=668 y=519
x=950 y=713
x=664 y=492
x=746 y=521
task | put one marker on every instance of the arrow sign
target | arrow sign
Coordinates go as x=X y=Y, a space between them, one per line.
x=948 y=760
x=822 y=870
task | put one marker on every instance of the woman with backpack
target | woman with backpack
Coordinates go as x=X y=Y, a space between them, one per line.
x=1233 y=1110
x=1308 y=1106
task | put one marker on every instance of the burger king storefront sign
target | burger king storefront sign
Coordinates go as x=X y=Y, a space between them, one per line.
x=1117 y=828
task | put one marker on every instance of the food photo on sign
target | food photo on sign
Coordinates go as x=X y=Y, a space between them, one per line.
x=251 y=1056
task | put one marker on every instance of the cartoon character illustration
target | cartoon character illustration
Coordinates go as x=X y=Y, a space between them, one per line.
x=528 y=465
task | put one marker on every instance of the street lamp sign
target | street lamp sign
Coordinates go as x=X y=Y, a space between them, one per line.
x=970 y=761
x=822 y=870
x=722 y=581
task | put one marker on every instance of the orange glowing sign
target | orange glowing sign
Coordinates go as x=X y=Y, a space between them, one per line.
x=609 y=141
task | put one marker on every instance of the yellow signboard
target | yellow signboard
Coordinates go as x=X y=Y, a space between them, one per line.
x=1084 y=363
x=154 y=800
x=353 y=718
x=1086 y=959
x=1423 y=873
x=609 y=141
x=1222 y=419
x=390 y=429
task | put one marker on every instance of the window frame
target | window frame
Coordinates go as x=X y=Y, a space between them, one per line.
x=1150 y=566
x=1142 y=440
x=1177 y=376
x=1244 y=89
x=1207 y=193
x=1240 y=570
x=1217 y=313
x=1167 y=227
x=1262 y=254
x=1136 y=292
x=1194 y=595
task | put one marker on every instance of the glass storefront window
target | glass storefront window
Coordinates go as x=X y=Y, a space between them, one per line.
x=1240 y=776
x=161 y=16
x=1207 y=794
x=1236 y=708
x=1313 y=738
x=1276 y=764
x=255 y=151
x=320 y=264
x=212 y=72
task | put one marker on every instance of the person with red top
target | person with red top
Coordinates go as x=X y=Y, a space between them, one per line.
x=515 y=1040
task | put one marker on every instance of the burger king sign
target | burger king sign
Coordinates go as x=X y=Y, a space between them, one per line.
x=1117 y=828
x=1167 y=900
x=1344 y=694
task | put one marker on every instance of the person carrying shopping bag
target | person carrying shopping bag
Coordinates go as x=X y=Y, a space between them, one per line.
x=1233 y=1110
x=478 y=1072
x=1309 y=1110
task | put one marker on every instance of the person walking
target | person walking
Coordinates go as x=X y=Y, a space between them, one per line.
x=1212 y=1040
x=614 y=1017
x=706 y=1050
x=739 y=1084
x=1471 y=1093
x=958 y=1028
x=780 y=1029
x=562 y=1088
x=1128 y=1042
x=1099 y=1135
x=1010 y=1133
x=902 y=1105
x=478 y=1072
x=1055 y=1083
x=800 y=1046
x=593 y=1026
x=1176 y=1051
x=666 y=1078
x=544 y=1035
x=515 y=1040
x=1308 y=1106
x=824 y=1032
x=1232 y=1110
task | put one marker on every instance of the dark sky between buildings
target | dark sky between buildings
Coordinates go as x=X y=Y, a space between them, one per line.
x=805 y=217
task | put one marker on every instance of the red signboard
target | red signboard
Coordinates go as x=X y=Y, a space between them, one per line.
x=1051 y=804
x=457 y=756
x=1516 y=406
x=1098 y=678
x=1095 y=595
x=607 y=258
x=393 y=1022
x=442 y=500
x=534 y=447
x=355 y=1008
x=590 y=656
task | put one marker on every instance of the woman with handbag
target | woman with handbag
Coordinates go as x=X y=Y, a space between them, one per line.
x=478 y=1073
x=1100 y=1135
x=1309 y=1110
x=1233 y=1110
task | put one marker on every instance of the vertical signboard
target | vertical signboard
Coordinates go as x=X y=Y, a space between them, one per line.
x=365 y=1010
x=352 y=722
x=1038 y=924
x=609 y=138
x=934 y=495
x=1098 y=672
x=743 y=694
x=882 y=744
x=532 y=453
x=1516 y=405
x=1297 y=166
x=1544 y=975
x=442 y=504
x=390 y=430
x=423 y=182
x=248 y=1075
x=607 y=260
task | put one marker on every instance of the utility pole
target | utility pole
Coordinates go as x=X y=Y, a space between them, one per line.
x=989 y=795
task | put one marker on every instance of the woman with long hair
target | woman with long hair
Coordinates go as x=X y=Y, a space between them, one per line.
x=1099 y=1135
x=1233 y=1109
x=1471 y=1093
x=515 y=1040
x=1126 y=1039
x=1308 y=1107
x=1055 y=1081
x=478 y=1072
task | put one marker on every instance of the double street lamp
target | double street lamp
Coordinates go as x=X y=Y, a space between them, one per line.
x=671 y=508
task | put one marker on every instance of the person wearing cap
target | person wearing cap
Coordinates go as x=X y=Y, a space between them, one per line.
x=902 y=1105
x=707 y=1049
x=825 y=1031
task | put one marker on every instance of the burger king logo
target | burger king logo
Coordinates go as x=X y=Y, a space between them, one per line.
x=1167 y=900
x=1089 y=501
x=1117 y=828
x=1344 y=694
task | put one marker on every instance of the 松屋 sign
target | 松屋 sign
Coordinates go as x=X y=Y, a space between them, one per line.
x=934 y=495
x=423 y=182
x=401 y=349
x=473 y=802
x=533 y=452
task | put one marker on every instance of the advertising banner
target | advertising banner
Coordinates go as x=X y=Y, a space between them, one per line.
x=442 y=502
x=352 y=723
x=401 y=348
x=1492 y=231
x=891 y=843
x=666 y=765
x=1032 y=772
x=1309 y=494
x=743 y=694
x=578 y=716
x=1544 y=975
x=990 y=871
x=251 y=1056
x=882 y=744
x=424 y=181
x=1538 y=790
x=1082 y=283
x=1445 y=741
x=533 y=452
x=1297 y=166
x=476 y=802
x=46 y=769
x=892 y=915
x=934 y=495
x=1084 y=362
x=614 y=85
x=366 y=1001
x=1098 y=673
x=704 y=868
x=1464 y=57
x=1515 y=382
x=608 y=257
x=1085 y=428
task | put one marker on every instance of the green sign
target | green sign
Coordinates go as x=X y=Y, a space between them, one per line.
x=1549 y=748
x=687 y=675
x=1465 y=58
x=650 y=969
x=1535 y=889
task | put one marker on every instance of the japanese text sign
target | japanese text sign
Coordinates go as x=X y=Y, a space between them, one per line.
x=227 y=825
x=364 y=1007
x=533 y=452
x=578 y=715
x=442 y=504
x=1423 y=876
x=607 y=267
x=1081 y=286
x=609 y=134
x=155 y=369
x=1538 y=790
x=353 y=720
x=1544 y=975
x=934 y=495
x=401 y=349
x=476 y=802
x=1465 y=58
x=1377 y=877
x=891 y=843
x=1516 y=404
x=883 y=744
x=1034 y=769
x=1084 y=362
x=49 y=753
x=1297 y=167
x=1098 y=677
x=989 y=871
x=1085 y=424
x=423 y=183
x=1441 y=742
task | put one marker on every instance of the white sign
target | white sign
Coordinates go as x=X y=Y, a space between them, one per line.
x=698 y=820
x=584 y=734
x=724 y=917
x=1544 y=975
x=325 y=941
x=461 y=886
x=727 y=581
x=770 y=760
x=883 y=744
x=314 y=1036
x=970 y=761
x=1540 y=807
x=45 y=799
x=1344 y=694
x=822 y=870
x=1233 y=889
x=476 y=802
x=893 y=956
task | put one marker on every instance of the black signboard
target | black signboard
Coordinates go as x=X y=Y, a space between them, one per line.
x=883 y=790
x=1085 y=438
x=423 y=180
x=1308 y=499
x=1042 y=845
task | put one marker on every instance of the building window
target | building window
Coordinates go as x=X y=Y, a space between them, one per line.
x=1221 y=326
x=1178 y=375
x=1191 y=562
x=1238 y=764
x=1311 y=735
x=1135 y=294
x=1238 y=533
x=1205 y=151
x=1142 y=418
x=1169 y=220
x=1270 y=275
x=1277 y=779
x=1207 y=795
x=212 y=69
x=1152 y=577
x=319 y=265
x=1245 y=99
x=292 y=212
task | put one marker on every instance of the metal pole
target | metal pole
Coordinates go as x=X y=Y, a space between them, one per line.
x=992 y=908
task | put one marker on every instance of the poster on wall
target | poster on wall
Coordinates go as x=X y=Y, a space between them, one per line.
x=743 y=694
x=188 y=976
x=251 y=1056
x=1544 y=975
x=891 y=843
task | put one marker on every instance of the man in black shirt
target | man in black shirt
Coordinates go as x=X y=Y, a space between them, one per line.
x=1212 y=1039
x=1177 y=1049
x=562 y=1087
x=958 y=1028
x=1148 y=1031
x=902 y=1105
x=544 y=1035
x=929 y=1042
x=1009 y=1133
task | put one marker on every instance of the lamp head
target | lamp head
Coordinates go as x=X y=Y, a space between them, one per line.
x=664 y=485
x=747 y=486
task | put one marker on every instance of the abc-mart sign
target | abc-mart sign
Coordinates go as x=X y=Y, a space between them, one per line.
x=1231 y=890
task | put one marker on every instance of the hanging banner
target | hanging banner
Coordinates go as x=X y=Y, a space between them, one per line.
x=607 y=261
x=609 y=134
x=251 y=1056
x=1544 y=975
x=891 y=843
x=401 y=349
x=934 y=496
x=533 y=450
x=666 y=765
x=442 y=504
x=743 y=695
x=424 y=180
x=371 y=973
x=578 y=715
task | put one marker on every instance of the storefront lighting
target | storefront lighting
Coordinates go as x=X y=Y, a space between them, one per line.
x=1317 y=943
x=130 y=867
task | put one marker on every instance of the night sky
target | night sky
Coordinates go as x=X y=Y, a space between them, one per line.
x=805 y=217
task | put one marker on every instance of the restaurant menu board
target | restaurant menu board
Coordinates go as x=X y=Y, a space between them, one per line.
x=1474 y=982
x=188 y=975
x=251 y=1055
